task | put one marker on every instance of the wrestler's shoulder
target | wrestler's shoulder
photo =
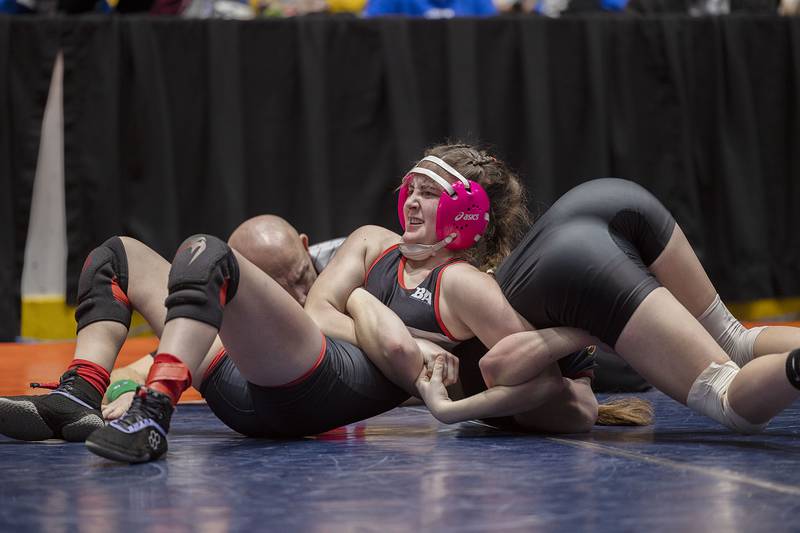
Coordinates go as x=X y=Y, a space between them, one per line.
x=374 y=237
x=463 y=275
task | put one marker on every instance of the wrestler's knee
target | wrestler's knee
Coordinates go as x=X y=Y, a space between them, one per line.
x=709 y=396
x=203 y=278
x=103 y=286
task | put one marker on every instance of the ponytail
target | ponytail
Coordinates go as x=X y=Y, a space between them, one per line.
x=625 y=412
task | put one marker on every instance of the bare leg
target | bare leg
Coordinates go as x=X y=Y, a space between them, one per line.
x=680 y=271
x=761 y=390
x=100 y=343
x=665 y=344
x=71 y=411
x=148 y=272
x=266 y=332
x=669 y=348
x=774 y=339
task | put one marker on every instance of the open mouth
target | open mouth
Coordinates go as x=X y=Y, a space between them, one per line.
x=414 y=221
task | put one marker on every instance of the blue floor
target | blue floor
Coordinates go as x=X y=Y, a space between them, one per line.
x=404 y=471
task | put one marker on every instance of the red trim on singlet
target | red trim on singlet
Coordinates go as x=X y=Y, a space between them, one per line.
x=436 y=301
x=214 y=362
x=401 y=267
x=311 y=370
x=383 y=253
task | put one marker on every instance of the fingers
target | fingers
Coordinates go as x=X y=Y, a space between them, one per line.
x=118 y=407
x=451 y=370
x=112 y=413
x=438 y=370
x=430 y=353
x=447 y=369
x=427 y=363
x=424 y=375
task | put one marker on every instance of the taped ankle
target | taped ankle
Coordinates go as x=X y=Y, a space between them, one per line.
x=730 y=334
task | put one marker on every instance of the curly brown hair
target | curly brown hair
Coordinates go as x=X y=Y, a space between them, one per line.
x=509 y=218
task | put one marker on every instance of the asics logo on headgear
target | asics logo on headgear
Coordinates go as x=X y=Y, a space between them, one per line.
x=197 y=247
x=467 y=216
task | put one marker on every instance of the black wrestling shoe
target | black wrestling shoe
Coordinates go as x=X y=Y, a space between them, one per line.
x=140 y=435
x=580 y=364
x=71 y=412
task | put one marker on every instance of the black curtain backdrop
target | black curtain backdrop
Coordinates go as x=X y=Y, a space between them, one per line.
x=27 y=53
x=174 y=127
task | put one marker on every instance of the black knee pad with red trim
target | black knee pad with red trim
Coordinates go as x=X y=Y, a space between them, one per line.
x=103 y=286
x=203 y=278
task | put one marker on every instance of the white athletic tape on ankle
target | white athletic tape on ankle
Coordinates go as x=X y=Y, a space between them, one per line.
x=709 y=396
x=730 y=334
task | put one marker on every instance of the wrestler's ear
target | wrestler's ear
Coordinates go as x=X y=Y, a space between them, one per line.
x=304 y=240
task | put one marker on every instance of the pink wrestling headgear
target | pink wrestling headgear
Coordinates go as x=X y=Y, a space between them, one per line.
x=463 y=206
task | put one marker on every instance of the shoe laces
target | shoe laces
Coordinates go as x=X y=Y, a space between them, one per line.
x=63 y=384
x=142 y=407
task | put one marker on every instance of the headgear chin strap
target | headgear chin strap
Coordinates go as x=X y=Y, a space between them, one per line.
x=420 y=252
x=463 y=208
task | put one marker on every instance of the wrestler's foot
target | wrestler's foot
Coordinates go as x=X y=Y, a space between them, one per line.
x=140 y=435
x=71 y=412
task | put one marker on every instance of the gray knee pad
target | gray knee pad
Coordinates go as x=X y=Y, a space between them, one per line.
x=103 y=286
x=203 y=278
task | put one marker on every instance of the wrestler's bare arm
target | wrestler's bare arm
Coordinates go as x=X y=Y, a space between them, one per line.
x=474 y=301
x=327 y=299
x=385 y=339
x=499 y=400
x=389 y=345
x=522 y=356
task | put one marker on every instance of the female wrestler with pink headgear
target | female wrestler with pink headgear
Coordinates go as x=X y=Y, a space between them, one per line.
x=291 y=371
x=606 y=262
x=609 y=260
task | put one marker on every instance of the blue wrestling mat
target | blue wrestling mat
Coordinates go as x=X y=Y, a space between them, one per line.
x=403 y=471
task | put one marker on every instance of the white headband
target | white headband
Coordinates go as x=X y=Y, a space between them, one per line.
x=437 y=178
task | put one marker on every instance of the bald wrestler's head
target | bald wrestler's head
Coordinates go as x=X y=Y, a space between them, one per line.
x=274 y=246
